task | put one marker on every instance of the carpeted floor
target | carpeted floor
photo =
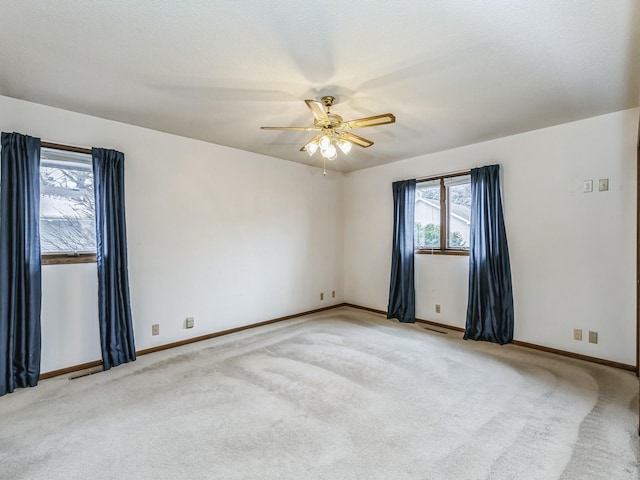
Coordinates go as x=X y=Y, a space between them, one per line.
x=339 y=395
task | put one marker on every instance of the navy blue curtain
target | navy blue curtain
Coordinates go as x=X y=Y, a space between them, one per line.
x=20 y=270
x=402 y=295
x=490 y=304
x=114 y=310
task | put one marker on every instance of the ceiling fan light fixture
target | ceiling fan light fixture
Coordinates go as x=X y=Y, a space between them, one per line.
x=345 y=146
x=311 y=148
x=325 y=141
x=330 y=153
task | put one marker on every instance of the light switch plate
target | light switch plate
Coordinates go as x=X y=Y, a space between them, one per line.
x=587 y=187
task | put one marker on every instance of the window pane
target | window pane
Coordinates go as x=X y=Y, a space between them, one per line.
x=459 y=214
x=67 y=213
x=427 y=215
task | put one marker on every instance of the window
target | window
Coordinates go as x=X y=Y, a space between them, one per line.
x=443 y=204
x=67 y=211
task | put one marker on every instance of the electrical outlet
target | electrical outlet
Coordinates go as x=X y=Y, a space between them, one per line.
x=188 y=323
x=333 y=294
x=155 y=329
x=603 y=184
x=437 y=308
x=321 y=296
x=593 y=337
x=577 y=334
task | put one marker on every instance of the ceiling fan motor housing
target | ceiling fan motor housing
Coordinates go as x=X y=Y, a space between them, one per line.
x=334 y=121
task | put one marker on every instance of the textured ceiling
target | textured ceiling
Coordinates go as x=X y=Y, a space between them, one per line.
x=453 y=73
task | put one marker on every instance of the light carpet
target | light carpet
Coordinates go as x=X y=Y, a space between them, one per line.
x=340 y=395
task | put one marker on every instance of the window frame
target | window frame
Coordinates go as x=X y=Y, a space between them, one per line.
x=67 y=258
x=444 y=218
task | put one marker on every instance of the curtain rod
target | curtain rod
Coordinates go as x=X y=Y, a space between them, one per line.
x=459 y=173
x=68 y=148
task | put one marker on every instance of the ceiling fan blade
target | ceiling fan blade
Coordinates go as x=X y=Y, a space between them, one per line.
x=314 y=139
x=318 y=110
x=383 y=119
x=299 y=129
x=356 y=140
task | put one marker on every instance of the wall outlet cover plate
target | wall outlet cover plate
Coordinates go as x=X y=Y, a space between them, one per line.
x=577 y=334
x=603 y=184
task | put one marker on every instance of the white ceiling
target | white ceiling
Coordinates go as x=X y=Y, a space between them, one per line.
x=453 y=73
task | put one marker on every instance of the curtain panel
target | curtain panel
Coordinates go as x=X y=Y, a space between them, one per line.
x=402 y=296
x=20 y=265
x=114 y=309
x=490 y=313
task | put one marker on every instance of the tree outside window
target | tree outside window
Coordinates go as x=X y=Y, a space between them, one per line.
x=443 y=204
x=67 y=212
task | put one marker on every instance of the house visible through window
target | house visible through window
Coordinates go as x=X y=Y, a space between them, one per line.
x=67 y=212
x=443 y=214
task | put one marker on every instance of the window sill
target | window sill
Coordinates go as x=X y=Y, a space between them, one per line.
x=64 y=259
x=460 y=253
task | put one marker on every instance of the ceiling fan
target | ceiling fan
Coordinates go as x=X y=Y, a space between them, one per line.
x=334 y=132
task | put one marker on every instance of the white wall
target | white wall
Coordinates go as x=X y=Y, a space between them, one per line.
x=226 y=236
x=233 y=238
x=572 y=254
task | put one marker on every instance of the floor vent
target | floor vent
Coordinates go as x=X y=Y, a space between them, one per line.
x=85 y=373
x=441 y=332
